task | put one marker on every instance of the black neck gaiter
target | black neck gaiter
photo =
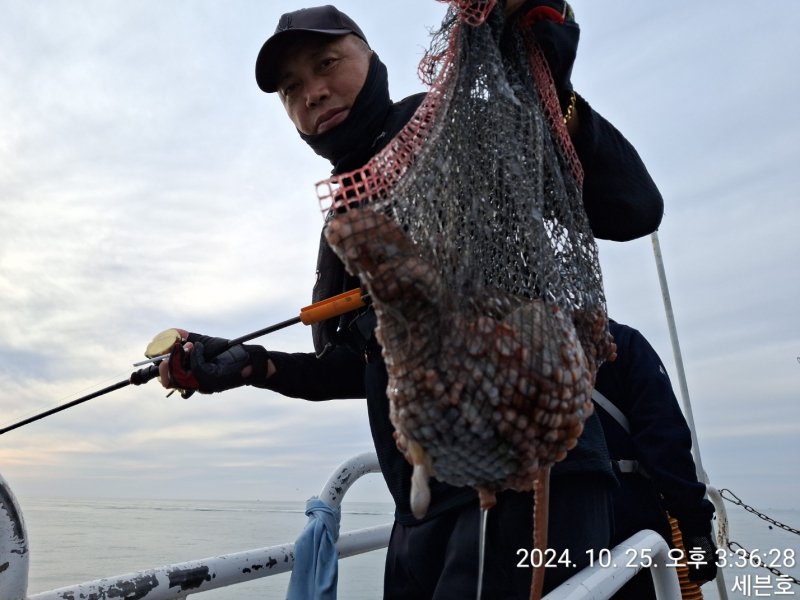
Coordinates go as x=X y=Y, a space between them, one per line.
x=349 y=145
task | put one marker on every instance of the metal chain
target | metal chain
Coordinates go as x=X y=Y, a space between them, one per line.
x=773 y=570
x=755 y=512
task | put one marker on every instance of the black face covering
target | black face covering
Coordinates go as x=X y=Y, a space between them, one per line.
x=349 y=145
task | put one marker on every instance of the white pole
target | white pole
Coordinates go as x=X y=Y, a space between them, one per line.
x=687 y=406
x=676 y=350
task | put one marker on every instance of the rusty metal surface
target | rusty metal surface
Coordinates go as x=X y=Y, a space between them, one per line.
x=14 y=555
x=178 y=580
x=174 y=581
x=345 y=475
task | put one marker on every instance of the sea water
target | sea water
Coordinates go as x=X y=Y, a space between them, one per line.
x=76 y=540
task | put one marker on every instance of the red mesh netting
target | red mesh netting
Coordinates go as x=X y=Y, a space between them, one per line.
x=472 y=12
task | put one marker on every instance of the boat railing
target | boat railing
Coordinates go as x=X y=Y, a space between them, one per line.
x=180 y=580
x=597 y=582
x=721 y=515
x=604 y=578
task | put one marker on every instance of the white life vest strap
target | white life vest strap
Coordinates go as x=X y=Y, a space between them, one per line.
x=628 y=466
x=621 y=466
x=612 y=410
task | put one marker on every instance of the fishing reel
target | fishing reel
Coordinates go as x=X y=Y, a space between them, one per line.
x=170 y=342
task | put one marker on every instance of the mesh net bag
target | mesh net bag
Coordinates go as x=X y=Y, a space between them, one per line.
x=470 y=234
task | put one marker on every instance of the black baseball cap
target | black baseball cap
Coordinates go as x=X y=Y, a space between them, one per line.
x=321 y=19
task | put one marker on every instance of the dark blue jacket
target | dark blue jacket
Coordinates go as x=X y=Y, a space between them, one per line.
x=637 y=384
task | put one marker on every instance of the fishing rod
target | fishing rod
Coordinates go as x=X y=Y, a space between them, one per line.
x=157 y=349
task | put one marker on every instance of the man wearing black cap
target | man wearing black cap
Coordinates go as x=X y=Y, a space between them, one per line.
x=335 y=90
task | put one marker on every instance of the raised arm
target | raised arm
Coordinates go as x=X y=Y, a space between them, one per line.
x=621 y=199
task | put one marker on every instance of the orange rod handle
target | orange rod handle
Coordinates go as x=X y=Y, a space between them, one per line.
x=332 y=307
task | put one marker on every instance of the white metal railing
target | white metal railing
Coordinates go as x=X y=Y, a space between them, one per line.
x=180 y=580
x=721 y=514
x=600 y=582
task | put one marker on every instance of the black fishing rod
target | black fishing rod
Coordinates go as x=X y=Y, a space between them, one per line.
x=138 y=378
x=157 y=349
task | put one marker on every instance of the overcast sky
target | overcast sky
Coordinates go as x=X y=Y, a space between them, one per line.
x=146 y=182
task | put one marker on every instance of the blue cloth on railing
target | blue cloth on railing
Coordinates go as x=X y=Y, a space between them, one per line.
x=315 y=573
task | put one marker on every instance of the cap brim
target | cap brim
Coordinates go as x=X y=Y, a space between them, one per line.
x=272 y=51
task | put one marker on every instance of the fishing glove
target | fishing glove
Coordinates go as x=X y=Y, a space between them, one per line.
x=553 y=25
x=702 y=551
x=213 y=367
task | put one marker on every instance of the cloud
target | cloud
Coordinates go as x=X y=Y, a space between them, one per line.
x=145 y=183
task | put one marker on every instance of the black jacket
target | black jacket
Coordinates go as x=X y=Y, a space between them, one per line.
x=659 y=439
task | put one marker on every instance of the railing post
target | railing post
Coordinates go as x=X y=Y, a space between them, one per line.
x=600 y=581
x=722 y=534
x=346 y=474
x=14 y=555
x=687 y=405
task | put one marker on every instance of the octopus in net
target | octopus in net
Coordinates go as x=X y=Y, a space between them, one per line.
x=490 y=399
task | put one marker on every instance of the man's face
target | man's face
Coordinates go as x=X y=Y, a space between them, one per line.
x=319 y=79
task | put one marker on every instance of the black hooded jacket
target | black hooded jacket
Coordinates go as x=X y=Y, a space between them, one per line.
x=622 y=203
x=638 y=385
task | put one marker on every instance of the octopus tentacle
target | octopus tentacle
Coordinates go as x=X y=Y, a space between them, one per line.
x=541 y=514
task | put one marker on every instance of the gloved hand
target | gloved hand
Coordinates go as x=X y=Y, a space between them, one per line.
x=554 y=27
x=701 y=549
x=213 y=367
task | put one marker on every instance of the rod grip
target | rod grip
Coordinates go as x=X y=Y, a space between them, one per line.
x=332 y=307
x=145 y=374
